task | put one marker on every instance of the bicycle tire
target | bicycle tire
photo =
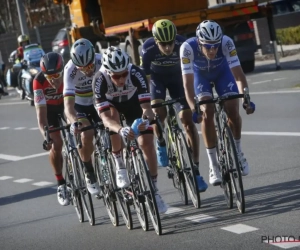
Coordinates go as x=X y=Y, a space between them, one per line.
x=224 y=170
x=175 y=172
x=138 y=197
x=121 y=196
x=188 y=169
x=85 y=194
x=148 y=190
x=73 y=183
x=235 y=169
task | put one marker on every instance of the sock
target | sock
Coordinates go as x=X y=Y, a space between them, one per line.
x=60 y=179
x=118 y=158
x=196 y=167
x=212 y=156
x=88 y=167
x=238 y=145
x=154 y=181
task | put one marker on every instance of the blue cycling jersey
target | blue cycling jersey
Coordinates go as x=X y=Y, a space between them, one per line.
x=154 y=61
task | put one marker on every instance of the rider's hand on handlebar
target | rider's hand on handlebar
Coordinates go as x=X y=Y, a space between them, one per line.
x=74 y=128
x=249 y=109
x=47 y=145
x=127 y=132
x=197 y=118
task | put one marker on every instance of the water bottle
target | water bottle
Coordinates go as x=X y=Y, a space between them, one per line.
x=135 y=125
x=104 y=170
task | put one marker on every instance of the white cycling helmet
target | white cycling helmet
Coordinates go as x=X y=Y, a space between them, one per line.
x=209 y=31
x=115 y=60
x=82 y=52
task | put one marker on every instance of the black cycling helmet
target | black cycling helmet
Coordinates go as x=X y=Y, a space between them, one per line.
x=52 y=63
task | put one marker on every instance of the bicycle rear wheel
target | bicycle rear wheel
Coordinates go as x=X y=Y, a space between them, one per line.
x=188 y=169
x=122 y=197
x=73 y=183
x=148 y=191
x=235 y=169
x=224 y=170
x=175 y=172
x=85 y=194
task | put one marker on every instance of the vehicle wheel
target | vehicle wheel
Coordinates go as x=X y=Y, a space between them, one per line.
x=248 y=66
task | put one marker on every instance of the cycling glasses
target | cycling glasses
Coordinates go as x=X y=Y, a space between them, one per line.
x=118 y=77
x=88 y=68
x=54 y=76
x=164 y=44
x=209 y=46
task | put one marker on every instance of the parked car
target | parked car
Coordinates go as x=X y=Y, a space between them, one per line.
x=281 y=7
x=60 y=44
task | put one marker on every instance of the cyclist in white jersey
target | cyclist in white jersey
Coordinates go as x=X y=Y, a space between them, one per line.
x=121 y=87
x=78 y=101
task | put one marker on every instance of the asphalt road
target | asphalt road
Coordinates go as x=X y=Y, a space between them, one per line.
x=31 y=218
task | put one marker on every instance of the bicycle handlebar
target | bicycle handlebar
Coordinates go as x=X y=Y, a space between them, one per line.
x=167 y=102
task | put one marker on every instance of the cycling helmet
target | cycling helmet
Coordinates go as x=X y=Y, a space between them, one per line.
x=209 y=31
x=115 y=60
x=82 y=52
x=52 y=63
x=164 y=30
x=23 y=38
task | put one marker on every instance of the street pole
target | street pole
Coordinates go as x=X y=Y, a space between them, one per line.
x=22 y=18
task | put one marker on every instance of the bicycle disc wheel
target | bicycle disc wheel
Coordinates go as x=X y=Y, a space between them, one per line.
x=122 y=197
x=85 y=194
x=147 y=186
x=188 y=169
x=224 y=170
x=235 y=170
x=72 y=183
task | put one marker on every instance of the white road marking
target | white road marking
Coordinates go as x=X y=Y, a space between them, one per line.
x=276 y=92
x=12 y=103
x=3 y=178
x=200 y=218
x=19 y=158
x=271 y=133
x=284 y=245
x=34 y=156
x=3 y=128
x=172 y=210
x=33 y=128
x=278 y=79
x=239 y=229
x=261 y=82
x=20 y=128
x=24 y=180
x=43 y=183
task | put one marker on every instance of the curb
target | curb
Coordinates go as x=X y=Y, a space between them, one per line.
x=281 y=55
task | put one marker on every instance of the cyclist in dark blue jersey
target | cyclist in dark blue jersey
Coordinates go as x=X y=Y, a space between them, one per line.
x=212 y=57
x=161 y=63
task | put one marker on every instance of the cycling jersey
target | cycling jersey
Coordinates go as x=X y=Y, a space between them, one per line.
x=154 y=61
x=77 y=85
x=47 y=96
x=135 y=91
x=217 y=70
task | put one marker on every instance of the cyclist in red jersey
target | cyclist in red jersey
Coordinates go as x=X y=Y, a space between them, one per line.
x=48 y=99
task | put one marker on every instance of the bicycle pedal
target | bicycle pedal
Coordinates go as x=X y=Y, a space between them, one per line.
x=141 y=198
x=217 y=184
x=98 y=196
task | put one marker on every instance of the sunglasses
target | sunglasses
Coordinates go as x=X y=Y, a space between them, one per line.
x=164 y=44
x=210 y=46
x=54 y=76
x=87 y=68
x=118 y=77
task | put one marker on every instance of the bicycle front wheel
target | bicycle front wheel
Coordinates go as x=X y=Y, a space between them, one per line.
x=148 y=191
x=235 y=169
x=85 y=195
x=188 y=169
x=73 y=184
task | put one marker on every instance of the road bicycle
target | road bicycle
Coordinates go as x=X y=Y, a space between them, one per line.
x=181 y=168
x=230 y=166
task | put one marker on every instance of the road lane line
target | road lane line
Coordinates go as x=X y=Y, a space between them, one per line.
x=278 y=79
x=12 y=103
x=172 y=210
x=20 y=128
x=10 y=157
x=43 y=183
x=240 y=229
x=3 y=178
x=200 y=218
x=24 y=180
x=261 y=82
x=3 y=128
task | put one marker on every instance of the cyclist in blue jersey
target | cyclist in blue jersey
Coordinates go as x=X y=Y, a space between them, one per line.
x=212 y=57
x=161 y=63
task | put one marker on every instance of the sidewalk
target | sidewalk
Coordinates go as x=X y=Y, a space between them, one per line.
x=283 y=51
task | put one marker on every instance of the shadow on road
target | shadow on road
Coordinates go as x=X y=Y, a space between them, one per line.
x=261 y=202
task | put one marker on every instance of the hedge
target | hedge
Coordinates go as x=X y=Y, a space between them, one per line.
x=288 y=36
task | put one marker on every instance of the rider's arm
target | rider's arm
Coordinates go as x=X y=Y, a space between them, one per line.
x=40 y=106
x=69 y=94
x=146 y=58
x=186 y=60
x=230 y=52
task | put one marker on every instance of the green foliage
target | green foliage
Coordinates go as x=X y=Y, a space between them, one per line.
x=289 y=36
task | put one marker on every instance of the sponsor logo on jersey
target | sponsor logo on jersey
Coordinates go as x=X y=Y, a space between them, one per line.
x=229 y=45
x=234 y=61
x=233 y=53
x=81 y=78
x=139 y=76
x=185 y=60
x=186 y=53
x=73 y=73
x=38 y=96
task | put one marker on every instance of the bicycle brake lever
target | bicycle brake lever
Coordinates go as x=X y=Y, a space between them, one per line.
x=246 y=96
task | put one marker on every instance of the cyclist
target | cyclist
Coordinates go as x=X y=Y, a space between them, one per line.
x=121 y=87
x=48 y=99
x=78 y=100
x=161 y=63
x=212 y=57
